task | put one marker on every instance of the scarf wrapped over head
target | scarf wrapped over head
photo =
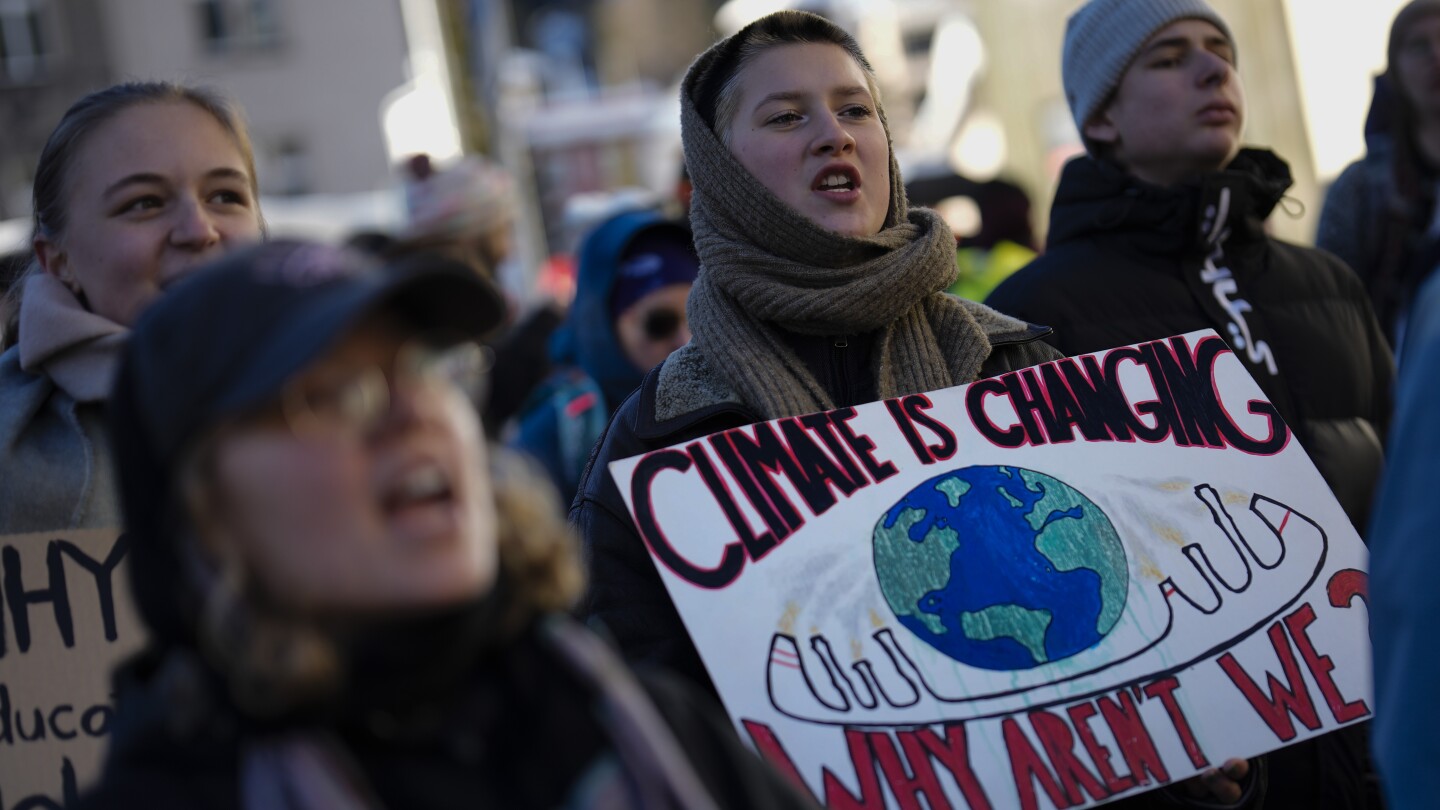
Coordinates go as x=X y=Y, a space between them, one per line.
x=766 y=269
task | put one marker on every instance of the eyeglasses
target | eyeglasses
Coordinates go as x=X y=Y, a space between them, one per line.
x=359 y=402
x=661 y=323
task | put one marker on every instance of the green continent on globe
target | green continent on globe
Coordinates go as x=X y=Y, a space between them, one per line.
x=1074 y=543
x=1010 y=621
x=920 y=568
x=1001 y=568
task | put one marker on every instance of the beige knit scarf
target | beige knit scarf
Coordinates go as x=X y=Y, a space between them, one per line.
x=766 y=269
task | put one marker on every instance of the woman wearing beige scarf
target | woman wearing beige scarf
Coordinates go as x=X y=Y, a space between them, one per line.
x=819 y=288
x=138 y=184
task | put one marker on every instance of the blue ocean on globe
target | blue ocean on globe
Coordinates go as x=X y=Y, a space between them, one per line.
x=1001 y=568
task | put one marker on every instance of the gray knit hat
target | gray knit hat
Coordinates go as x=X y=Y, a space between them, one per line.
x=1104 y=36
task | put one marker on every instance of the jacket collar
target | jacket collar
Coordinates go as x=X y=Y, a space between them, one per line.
x=1098 y=197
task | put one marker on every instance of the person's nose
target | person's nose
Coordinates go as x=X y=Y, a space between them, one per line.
x=403 y=406
x=832 y=137
x=195 y=227
x=1214 y=70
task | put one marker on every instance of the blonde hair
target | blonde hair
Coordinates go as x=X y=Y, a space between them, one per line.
x=275 y=660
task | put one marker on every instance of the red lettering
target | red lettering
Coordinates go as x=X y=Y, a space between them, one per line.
x=773 y=752
x=1345 y=585
x=1079 y=717
x=1321 y=666
x=907 y=788
x=1293 y=699
x=1028 y=767
x=837 y=796
x=953 y=753
x=1136 y=744
x=1165 y=690
x=1059 y=744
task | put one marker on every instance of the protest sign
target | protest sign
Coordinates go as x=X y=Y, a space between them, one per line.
x=1065 y=585
x=65 y=620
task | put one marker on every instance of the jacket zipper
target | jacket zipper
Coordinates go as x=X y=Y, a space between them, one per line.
x=837 y=365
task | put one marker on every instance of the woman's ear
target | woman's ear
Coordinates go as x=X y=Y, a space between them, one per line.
x=55 y=261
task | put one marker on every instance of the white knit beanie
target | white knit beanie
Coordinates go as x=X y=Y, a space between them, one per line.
x=1103 y=36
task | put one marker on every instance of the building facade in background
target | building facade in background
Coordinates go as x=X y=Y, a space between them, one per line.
x=311 y=75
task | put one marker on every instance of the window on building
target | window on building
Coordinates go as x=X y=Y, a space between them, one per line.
x=22 y=41
x=228 y=26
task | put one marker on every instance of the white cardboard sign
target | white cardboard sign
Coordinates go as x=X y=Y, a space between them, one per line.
x=1069 y=584
x=66 y=619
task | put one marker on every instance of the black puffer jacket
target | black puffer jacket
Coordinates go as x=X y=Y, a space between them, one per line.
x=1126 y=263
x=684 y=399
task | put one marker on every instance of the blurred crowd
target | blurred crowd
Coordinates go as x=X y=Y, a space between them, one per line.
x=375 y=541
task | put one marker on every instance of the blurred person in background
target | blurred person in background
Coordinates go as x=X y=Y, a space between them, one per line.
x=351 y=605
x=1004 y=244
x=819 y=288
x=1380 y=214
x=635 y=272
x=137 y=186
x=1159 y=230
x=1403 y=598
x=466 y=212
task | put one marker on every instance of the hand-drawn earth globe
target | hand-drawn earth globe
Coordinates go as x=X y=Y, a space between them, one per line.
x=1001 y=568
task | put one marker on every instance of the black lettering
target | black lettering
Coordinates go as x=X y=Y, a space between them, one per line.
x=755 y=547
x=60 y=733
x=916 y=406
x=1014 y=436
x=96 y=720
x=36 y=733
x=1207 y=353
x=1066 y=413
x=774 y=508
x=819 y=469
x=1145 y=432
x=819 y=424
x=733 y=558
x=104 y=580
x=862 y=446
x=907 y=429
x=767 y=455
x=1107 y=413
x=19 y=600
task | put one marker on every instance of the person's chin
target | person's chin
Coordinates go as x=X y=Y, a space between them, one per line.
x=846 y=223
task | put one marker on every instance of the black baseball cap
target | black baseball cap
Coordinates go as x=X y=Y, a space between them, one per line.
x=224 y=341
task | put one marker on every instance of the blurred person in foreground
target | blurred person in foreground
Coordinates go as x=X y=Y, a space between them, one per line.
x=137 y=186
x=466 y=212
x=1403 y=598
x=1380 y=214
x=819 y=288
x=1159 y=230
x=635 y=272
x=350 y=605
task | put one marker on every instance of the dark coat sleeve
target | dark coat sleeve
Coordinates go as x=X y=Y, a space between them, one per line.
x=734 y=775
x=625 y=598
